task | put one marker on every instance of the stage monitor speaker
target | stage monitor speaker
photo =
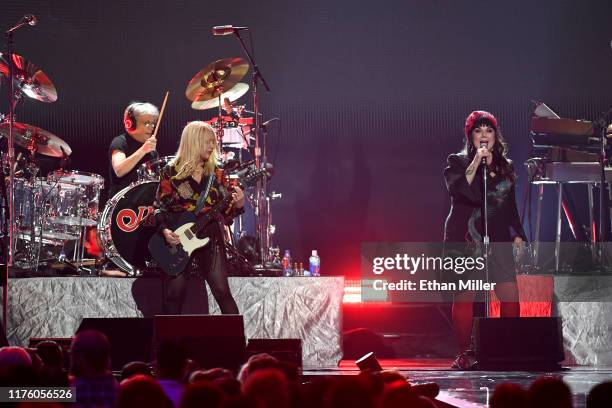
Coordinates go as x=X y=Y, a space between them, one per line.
x=211 y=341
x=288 y=350
x=519 y=343
x=130 y=337
x=360 y=341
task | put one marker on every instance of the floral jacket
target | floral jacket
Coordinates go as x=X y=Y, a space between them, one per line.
x=174 y=196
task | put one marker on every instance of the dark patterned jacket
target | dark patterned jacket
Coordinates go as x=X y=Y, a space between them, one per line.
x=464 y=219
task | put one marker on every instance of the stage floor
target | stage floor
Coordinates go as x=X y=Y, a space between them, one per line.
x=474 y=388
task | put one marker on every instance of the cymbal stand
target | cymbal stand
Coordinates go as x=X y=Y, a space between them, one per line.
x=219 y=128
x=4 y=228
x=261 y=191
x=11 y=155
x=270 y=228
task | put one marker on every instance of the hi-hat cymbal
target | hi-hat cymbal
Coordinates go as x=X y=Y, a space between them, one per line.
x=29 y=79
x=216 y=78
x=233 y=94
x=37 y=139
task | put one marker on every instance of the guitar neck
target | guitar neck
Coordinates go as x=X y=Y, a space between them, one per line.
x=205 y=219
x=218 y=207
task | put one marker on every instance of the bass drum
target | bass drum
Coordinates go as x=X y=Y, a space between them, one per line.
x=126 y=226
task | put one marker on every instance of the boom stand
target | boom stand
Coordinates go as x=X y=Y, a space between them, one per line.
x=9 y=250
x=485 y=237
x=12 y=101
x=262 y=185
x=601 y=126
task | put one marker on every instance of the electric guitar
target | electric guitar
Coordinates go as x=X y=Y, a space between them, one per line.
x=173 y=259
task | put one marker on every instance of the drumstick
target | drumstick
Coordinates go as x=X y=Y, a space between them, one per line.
x=161 y=113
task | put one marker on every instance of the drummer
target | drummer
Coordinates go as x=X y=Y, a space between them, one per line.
x=128 y=150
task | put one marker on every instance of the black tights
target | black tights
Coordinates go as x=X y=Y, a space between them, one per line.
x=186 y=293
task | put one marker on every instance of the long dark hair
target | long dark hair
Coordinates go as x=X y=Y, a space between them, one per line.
x=501 y=164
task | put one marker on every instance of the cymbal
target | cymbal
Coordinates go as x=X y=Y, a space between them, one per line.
x=32 y=137
x=232 y=94
x=29 y=79
x=216 y=78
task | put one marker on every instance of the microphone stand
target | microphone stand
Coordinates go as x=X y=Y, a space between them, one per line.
x=485 y=236
x=261 y=193
x=9 y=249
x=12 y=101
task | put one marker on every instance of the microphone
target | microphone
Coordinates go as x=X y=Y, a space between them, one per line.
x=65 y=160
x=29 y=19
x=227 y=29
x=484 y=144
x=251 y=112
x=268 y=122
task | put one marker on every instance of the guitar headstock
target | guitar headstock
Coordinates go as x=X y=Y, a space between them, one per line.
x=252 y=177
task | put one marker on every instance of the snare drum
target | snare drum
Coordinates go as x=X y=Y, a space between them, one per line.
x=151 y=170
x=126 y=226
x=74 y=197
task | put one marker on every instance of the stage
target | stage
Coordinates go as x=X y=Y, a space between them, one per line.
x=277 y=308
x=305 y=308
x=474 y=388
x=311 y=309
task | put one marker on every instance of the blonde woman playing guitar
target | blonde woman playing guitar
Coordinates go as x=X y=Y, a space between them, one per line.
x=192 y=193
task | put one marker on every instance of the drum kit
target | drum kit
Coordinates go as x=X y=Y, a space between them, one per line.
x=126 y=223
x=51 y=212
x=242 y=141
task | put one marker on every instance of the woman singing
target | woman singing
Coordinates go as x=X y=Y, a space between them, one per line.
x=192 y=174
x=463 y=229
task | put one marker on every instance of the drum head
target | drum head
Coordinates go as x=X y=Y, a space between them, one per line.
x=130 y=217
x=77 y=178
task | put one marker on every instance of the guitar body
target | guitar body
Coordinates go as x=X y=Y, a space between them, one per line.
x=174 y=259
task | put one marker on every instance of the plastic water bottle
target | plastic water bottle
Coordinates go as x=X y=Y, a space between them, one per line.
x=302 y=271
x=315 y=264
x=287 y=271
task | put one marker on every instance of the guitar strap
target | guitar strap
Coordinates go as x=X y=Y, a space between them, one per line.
x=204 y=194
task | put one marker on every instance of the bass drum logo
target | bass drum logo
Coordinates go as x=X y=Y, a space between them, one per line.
x=128 y=220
